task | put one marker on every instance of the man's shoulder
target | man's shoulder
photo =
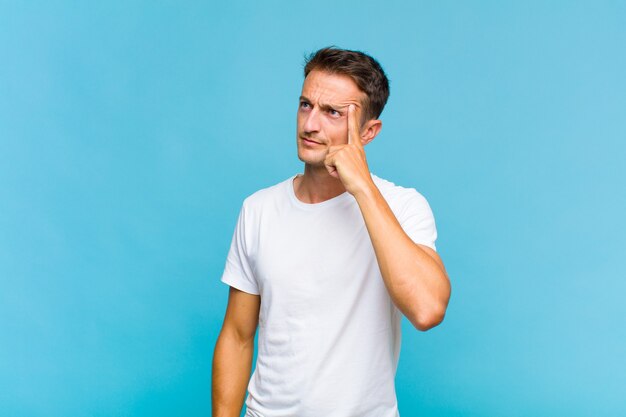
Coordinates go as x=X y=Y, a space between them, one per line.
x=397 y=193
x=412 y=211
x=268 y=195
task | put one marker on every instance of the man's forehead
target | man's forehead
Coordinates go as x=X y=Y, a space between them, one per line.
x=331 y=89
x=331 y=102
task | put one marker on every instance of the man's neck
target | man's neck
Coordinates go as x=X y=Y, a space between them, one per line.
x=316 y=185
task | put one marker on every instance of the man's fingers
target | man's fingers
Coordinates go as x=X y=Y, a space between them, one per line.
x=334 y=149
x=331 y=156
x=329 y=162
x=354 y=131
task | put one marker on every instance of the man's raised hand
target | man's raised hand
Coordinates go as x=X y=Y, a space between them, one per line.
x=354 y=131
x=347 y=162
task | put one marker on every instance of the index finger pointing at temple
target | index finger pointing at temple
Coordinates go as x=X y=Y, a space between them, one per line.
x=354 y=130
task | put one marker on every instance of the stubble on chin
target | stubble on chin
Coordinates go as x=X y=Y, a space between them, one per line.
x=312 y=158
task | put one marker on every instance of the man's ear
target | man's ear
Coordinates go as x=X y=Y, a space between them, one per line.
x=370 y=130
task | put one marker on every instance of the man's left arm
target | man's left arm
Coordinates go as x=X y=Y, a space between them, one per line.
x=414 y=274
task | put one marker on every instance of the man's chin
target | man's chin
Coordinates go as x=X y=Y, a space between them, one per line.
x=312 y=160
x=312 y=163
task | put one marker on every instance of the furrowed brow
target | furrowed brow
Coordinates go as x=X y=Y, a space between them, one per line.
x=325 y=106
x=339 y=108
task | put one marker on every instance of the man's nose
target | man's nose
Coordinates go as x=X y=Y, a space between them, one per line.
x=312 y=121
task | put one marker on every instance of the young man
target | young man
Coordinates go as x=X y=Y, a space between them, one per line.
x=325 y=262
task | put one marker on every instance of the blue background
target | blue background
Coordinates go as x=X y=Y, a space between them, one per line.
x=130 y=132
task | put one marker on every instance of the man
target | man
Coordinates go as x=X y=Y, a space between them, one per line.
x=325 y=262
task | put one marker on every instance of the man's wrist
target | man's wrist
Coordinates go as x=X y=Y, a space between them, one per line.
x=367 y=192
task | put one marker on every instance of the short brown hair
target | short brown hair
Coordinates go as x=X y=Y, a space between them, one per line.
x=364 y=70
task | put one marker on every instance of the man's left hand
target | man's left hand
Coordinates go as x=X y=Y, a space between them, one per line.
x=347 y=162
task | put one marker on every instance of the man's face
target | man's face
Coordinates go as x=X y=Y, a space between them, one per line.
x=323 y=114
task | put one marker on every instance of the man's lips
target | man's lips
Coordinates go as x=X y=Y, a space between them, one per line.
x=310 y=141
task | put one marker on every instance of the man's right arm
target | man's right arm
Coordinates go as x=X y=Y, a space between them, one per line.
x=232 y=359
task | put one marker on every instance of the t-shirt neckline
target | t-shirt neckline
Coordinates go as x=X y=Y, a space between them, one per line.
x=345 y=196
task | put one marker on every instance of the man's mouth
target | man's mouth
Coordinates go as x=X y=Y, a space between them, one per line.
x=310 y=141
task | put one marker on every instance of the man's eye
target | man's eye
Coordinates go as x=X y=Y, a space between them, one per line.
x=334 y=113
x=304 y=105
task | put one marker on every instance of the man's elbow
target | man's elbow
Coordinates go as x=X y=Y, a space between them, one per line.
x=427 y=321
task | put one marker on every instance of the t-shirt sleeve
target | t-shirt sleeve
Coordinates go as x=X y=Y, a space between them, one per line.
x=238 y=272
x=418 y=221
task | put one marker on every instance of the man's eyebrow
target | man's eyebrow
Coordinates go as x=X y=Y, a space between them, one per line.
x=338 y=108
x=325 y=106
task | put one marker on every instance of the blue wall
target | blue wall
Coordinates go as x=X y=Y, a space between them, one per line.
x=130 y=132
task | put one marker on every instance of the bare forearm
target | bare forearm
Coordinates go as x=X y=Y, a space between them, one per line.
x=232 y=363
x=416 y=282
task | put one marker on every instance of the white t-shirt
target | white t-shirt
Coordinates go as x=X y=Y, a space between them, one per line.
x=329 y=334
